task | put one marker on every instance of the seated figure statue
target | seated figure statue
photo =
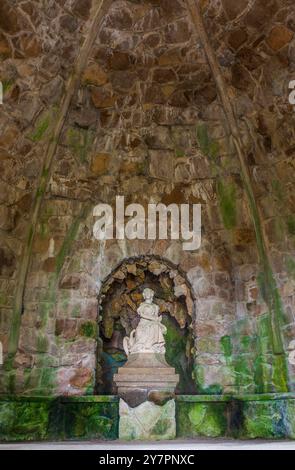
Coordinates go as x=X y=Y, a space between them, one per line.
x=148 y=336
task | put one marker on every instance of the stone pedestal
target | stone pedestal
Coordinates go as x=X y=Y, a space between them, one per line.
x=146 y=372
x=147 y=421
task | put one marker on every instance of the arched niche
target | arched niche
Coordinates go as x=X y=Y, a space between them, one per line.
x=120 y=296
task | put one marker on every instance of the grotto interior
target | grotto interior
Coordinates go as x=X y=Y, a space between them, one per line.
x=159 y=101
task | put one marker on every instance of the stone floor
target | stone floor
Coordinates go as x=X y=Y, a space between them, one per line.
x=198 y=444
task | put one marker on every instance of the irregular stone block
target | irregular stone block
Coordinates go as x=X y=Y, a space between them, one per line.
x=147 y=421
x=201 y=419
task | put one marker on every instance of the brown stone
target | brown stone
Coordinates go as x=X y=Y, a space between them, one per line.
x=94 y=75
x=70 y=281
x=171 y=9
x=120 y=19
x=153 y=94
x=129 y=168
x=5 y=50
x=159 y=138
x=131 y=284
x=178 y=99
x=244 y=236
x=30 y=46
x=49 y=265
x=160 y=398
x=249 y=58
x=164 y=75
x=102 y=98
x=82 y=8
x=69 y=23
x=152 y=40
x=131 y=268
x=177 y=32
x=123 y=80
x=7 y=262
x=8 y=18
x=237 y=38
x=258 y=16
x=170 y=58
x=24 y=204
x=41 y=244
x=7 y=218
x=279 y=37
x=161 y=164
x=167 y=90
x=119 y=60
x=234 y=8
x=100 y=163
x=175 y=197
x=66 y=327
x=156 y=268
x=8 y=137
x=240 y=77
x=120 y=274
x=81 y=378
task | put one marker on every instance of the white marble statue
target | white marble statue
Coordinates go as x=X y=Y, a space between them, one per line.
x=148 y=336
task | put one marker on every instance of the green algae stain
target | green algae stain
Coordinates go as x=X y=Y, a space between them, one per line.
x=226 y=346
x=176 y=348
x=208 y=146
x=291 y=224
x=23 y=421
x=280 y=373
x=7 y=85
x=80 y=142
x=40 y=129
x=88 y=329
x=227 y=203
x=179 y=153
x=206 y=420
x=278 y=190
x=69 y=239
x=290 y=265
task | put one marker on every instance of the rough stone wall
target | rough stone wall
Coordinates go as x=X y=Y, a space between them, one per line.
x=146 y=123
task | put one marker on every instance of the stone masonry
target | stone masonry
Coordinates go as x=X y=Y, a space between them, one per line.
x=145 y=122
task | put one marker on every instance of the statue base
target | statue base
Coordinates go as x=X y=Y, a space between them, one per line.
x=146 y=372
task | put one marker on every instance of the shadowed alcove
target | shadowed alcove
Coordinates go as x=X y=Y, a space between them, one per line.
x=121 y=295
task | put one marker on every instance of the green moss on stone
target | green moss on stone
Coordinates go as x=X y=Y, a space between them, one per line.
x=201 y=419
x=290 y=263
x=80 y=142
x=226 y=346
x=264 y=420
x=69 y=238
x=23 y=420
x=179 y=153
x=227 y=203
x=278 y=190
x=208 y=146
x=36 y=418
x=176 y=349
x=91 y=421
x=88 y=329
x=291 y=224
x=40 y=129
x=42 y=343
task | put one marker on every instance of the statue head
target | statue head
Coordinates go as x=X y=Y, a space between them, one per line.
x=148 y=294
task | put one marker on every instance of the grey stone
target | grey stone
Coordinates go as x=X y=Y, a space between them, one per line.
x=147 y=421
